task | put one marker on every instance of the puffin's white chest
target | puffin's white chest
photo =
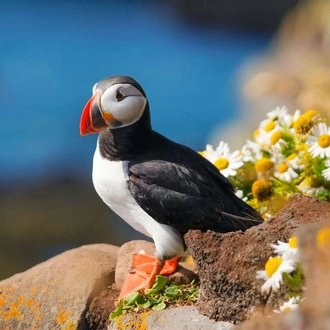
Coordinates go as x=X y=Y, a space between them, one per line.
x=110 y=181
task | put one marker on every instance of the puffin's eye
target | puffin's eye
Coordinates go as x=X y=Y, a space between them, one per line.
x=119 y=96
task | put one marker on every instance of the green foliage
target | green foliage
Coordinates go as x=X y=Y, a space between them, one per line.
x=159 y=297
x=294 y=281
x=118 y=311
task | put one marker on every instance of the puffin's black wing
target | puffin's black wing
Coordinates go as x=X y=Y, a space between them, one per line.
x=188 y=195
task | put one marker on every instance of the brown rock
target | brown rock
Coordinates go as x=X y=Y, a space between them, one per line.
x=227 y=263
x=183 y=274
x=56 y=293
x=97 y=316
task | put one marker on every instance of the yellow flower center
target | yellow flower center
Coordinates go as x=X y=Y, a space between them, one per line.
x=311 y=113
x=292 y=156
x=287 y=309
x=272 y=265
x=269 y=126
x=323 y=237
x=262 y=189
x=324 y=140
x=303 y=124
x=256 y=134
x=264 y=165
x=282 y=168
x=221 y=163
x=293 y=242
x=275 y=137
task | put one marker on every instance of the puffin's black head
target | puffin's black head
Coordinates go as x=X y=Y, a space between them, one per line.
x=117 y=102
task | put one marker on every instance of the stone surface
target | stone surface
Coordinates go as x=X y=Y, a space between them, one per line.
x=56 y=293
x=97 y=315
x=228 y=263
x=180 y=318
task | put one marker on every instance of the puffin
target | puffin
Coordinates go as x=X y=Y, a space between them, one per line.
x=159 y=187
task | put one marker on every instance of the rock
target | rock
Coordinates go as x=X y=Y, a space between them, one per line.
x=183 y=275
x=227 y=263
x=314 y=312
x=97 y=316
x=180 y=318
x=56 y=293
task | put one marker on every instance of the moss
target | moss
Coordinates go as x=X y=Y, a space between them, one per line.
x=70 y=325
x=134 y=321
x=62 y=316
x=13 y=313
x=2 y=302
x=34 y=290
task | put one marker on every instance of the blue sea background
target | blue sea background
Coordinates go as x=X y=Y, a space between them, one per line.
x=51 y=55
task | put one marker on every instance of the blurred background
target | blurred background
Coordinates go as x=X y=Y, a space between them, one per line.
x=206 y=66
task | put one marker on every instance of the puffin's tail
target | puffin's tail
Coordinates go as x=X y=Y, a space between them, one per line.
x=237 y=215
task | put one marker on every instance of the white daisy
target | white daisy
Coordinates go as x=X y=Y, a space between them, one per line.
x=278 y=113
x=285 y=172
x=269 y=135
x=319 y=137
x=310 y=190
x=287 y=250
x=295 y=161
x=326 y=172
x=272 y=274
x=268 y=125
x=288 y=120
x=251 y=151
x=226 y=162
x=276 y=142
x=288 y=306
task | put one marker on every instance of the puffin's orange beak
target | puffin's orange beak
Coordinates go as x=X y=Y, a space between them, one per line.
x=92 y=120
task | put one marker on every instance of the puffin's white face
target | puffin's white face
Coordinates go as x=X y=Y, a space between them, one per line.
x=124 y=102
x=117 y=106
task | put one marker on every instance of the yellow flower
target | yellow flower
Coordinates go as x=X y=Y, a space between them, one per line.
x=303 y=124
x=262 y=189
x=274 y=268
x=323 y=237
x=264 y=165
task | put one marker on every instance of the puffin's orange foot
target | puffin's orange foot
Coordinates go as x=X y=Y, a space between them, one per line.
x=143 y=273
x=158 y=266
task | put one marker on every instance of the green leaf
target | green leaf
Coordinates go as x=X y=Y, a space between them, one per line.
x=155 y=301
x=118 y=311
x=171 y=291
x=147 y=304
x=159 y=307
x=293 y=282
x=132 y=298
x=141 y=300
x=159 y=284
